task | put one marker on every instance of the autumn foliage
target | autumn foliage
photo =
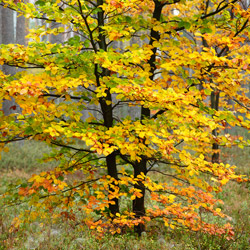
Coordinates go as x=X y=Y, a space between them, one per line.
x=178 y=68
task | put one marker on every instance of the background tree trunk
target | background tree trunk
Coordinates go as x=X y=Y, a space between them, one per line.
x=1 y=30
x=56 y=38
x=20 y=30
x=7 y=24
x=7 y=28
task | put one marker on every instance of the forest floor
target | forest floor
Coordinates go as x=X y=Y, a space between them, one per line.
x=20 y=163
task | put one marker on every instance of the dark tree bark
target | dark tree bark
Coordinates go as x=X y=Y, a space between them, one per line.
x=107 y=111
x=214 y=104
x=215 y=97
x=138 y=203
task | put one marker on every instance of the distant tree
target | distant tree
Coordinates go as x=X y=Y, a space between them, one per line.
x=56 y=38
x=7 y=33
x=21 y=30
x=7 y=28
x=1 y=24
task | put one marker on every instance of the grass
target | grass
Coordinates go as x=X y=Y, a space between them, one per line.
x=66 y=234
x=22 y=156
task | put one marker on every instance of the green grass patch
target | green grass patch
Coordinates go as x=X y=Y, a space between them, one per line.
x=21 y=162
x=25 y=156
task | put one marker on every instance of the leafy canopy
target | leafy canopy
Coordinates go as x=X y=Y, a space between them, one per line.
x=124 y=100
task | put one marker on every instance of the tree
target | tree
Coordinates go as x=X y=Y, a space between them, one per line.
x=1 y=25
x=160 y=155
x=7 y=38
x=20 y=30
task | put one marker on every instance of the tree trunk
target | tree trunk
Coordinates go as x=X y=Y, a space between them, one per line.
x=215 y=97
x=7 y=26
x=1 y=25
x=110 y=159
x=56 y=38
x=1 y=31
x=20 y=30
x=112 y=171
x=138 y=203
x=107 y=111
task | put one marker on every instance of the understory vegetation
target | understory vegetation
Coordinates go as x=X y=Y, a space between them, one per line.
x=70 y=234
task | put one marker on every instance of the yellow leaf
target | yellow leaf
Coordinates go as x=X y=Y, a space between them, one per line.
x=120 y=96
x=90 y=119
x=201 y=156
x=218 y=210
x=224 y=181
x=141 y=134
x=133 y=197
x=6 y=149
x=171 y=198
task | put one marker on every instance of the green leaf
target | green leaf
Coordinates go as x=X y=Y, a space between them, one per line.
x=73 y=41
x=29 y=130
x=184 y=24
x=206 y=30
x=40 y=2
x=207 y=91
x=60 y=178
x=128 y=19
